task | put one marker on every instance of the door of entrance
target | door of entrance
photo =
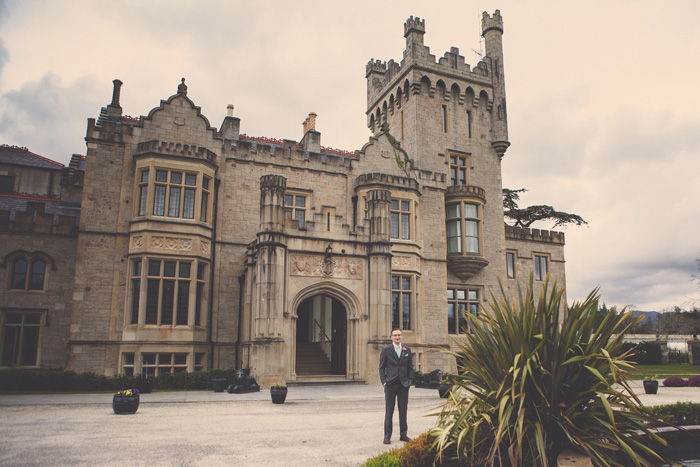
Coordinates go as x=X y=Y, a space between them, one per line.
x=321 y=337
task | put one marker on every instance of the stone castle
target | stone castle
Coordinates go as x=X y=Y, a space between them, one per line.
x=176 y=246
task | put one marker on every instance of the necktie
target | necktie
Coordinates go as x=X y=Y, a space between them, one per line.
x=398 y=350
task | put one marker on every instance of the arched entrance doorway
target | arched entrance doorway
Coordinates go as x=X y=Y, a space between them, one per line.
x=321 y=336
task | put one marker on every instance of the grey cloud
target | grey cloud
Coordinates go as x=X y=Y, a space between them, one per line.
x=47 y=116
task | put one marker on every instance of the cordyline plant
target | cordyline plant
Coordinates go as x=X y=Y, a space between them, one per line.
x=534 y=382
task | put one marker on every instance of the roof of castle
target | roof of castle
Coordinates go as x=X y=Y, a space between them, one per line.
x=279 y=142
x=19 y=155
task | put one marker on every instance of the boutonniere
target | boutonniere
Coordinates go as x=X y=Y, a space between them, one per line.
x=403 y=348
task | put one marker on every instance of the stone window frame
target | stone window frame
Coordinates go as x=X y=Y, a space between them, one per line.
x=540 y=260
x=155 y=364
x=461 y=220
x=401 y=218
x=31 y=261
x=141 y=286
x=298 y=213
x=511 y=264
x=469 y=299
x=403 y=290
x=459 y=163
x=158 y=177
x=37 y=321
x=131 y=366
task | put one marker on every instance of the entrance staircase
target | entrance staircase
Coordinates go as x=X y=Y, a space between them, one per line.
x=311 y=360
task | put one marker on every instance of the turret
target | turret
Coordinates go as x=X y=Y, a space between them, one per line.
x=492 y=31
x=272 y=189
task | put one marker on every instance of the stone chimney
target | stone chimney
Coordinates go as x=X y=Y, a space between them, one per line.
x=312 y=138
x=231 y=126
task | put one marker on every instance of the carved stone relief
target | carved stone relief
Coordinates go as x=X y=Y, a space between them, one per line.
x=171 y=243
x=326 y=266
x=405 y=262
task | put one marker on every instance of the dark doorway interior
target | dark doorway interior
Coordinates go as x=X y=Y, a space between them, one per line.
x=321 y=337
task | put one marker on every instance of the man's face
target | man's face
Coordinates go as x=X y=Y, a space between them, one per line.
x=396 y=337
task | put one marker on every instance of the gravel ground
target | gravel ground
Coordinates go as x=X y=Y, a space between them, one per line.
x=317 y=425
x=299 y=432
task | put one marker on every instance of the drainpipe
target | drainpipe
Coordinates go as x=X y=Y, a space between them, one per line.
x=210 y=341
x=241 y=282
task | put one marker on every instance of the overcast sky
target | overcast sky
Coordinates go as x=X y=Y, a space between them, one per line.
x=603 y=100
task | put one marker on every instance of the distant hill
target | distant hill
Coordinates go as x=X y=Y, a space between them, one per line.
x=649 y=316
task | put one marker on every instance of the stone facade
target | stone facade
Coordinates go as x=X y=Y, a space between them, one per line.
x=206 y=248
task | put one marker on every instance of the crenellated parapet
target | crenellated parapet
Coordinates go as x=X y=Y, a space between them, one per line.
x=389 y=83
x=47 y=216
x=489 y=22
x=413 y=25
x=375 y=66
x=172 y=148
x=535 y=235
x=387 y=181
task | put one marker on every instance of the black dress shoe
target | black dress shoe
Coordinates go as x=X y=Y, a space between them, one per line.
x=405 y=438
x=387 y=441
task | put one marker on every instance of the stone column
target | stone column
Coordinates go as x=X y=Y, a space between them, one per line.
x=268 y=356
x=379 y=253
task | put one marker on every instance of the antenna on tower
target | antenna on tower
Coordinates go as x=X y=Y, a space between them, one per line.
x=480 y=53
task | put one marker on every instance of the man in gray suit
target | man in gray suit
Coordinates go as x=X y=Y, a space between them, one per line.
x=396 y=374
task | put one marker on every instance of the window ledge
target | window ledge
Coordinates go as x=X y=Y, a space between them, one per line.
x=465 y=266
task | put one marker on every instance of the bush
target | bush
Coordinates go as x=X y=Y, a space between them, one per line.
x=413 y=453
x=56 y=380
x=677 y=382
x=694 y=381
x=674 y=382
x=680 y=413
x=538 y=379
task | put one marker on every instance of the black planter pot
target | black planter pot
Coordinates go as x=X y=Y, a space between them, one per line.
x=651 y=386
x=278 y=395
x=219 y=385
x=444 y=389
x=125 y=404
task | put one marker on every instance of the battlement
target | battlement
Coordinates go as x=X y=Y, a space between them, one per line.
x=491 y=22
x=535 y=235
x=175 y=149
x=386 y=180
x=413 y=24
x=385 y=78
x=375 y=66
x=38 y=214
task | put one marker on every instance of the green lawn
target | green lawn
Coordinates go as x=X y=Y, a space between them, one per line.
x=661 y=372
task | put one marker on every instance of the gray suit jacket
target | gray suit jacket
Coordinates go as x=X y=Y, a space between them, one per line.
x=391 y=367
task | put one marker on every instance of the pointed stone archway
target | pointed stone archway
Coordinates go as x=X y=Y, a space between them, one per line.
x=321 y=336
x=325 y=332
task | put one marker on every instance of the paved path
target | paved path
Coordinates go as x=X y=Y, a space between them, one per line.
x=318 y=425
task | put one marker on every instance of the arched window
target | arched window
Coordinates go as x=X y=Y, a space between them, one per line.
x=36 y=279
x=28 y=272
x=19 y=274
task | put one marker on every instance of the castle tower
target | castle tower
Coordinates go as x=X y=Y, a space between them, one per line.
x=492 y=31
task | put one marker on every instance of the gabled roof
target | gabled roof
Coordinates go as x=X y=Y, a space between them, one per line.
x=18 y=155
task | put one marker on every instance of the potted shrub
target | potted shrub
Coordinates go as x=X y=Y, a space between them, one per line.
x=278 y=392
x=651 y=385
x=444 y=387
x=126 y=402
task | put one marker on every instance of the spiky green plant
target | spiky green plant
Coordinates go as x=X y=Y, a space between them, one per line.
x=534 y=382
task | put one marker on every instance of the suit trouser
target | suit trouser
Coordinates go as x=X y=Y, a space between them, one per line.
x=392 y=392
